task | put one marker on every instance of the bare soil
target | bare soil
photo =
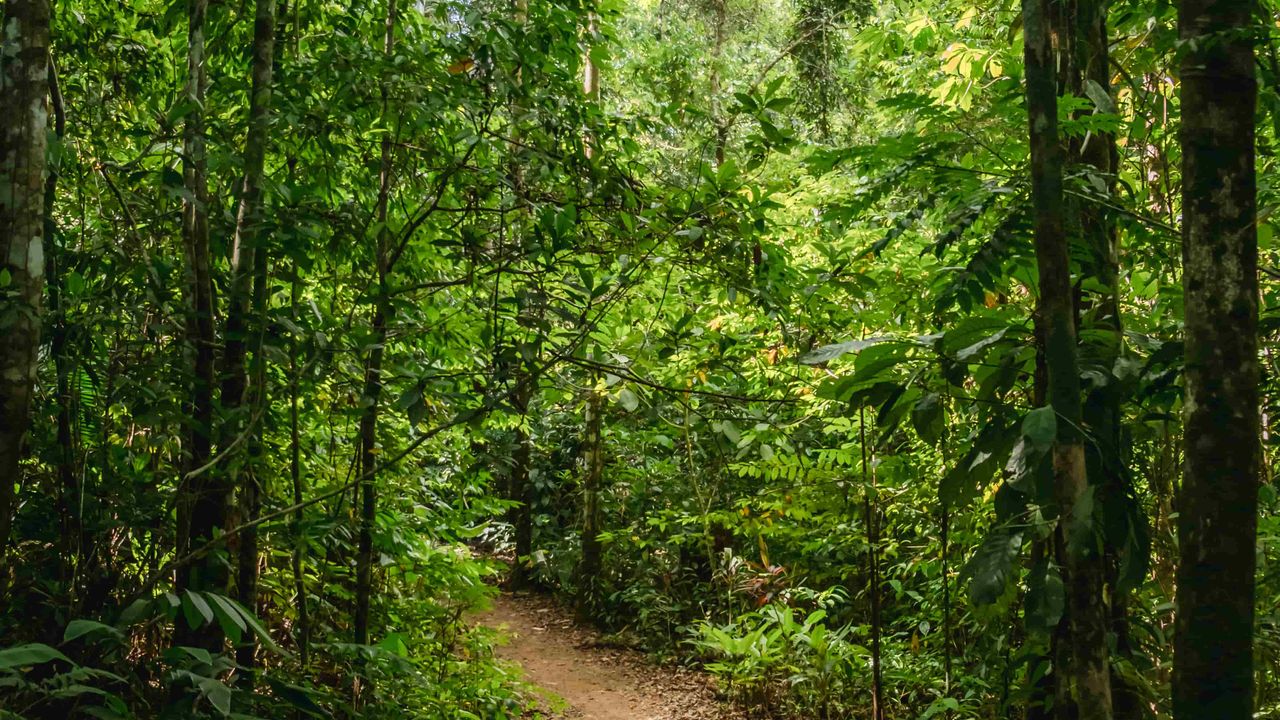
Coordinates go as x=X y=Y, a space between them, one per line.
x=580 y=678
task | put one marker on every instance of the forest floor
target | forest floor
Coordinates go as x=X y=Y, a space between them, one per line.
x=577 y=676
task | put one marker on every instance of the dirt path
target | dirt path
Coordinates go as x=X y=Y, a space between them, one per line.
x=584 y=680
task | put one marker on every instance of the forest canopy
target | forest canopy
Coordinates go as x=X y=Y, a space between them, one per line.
x=892 y=360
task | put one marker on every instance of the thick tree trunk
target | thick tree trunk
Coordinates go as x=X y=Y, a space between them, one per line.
x=1217 y=521
x=1083 y=687
x=204 y=493
x=24 y=85
x=373 y=374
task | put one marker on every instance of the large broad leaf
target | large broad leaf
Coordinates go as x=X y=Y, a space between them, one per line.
x=1030 y=472
x=28 y=655
x=973 y=351
x=80 y=628
x=827 y=353
x=991 y=566
x=218 y=695
x=256 y=627
x=963 y=482
x=1046 y=598
x=628 y=400
x=196 y=609
x=298 y=697
x=873 y=361
x=1040 y=427
x=927 y=418
x=228 y=617
x=1135 y=544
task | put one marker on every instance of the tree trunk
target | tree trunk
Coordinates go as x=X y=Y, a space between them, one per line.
x=373 y=372
x=247 y=316
x=520 y=489
x=1085 y=56
x=24 y=84
x=720 y=26
x=872 y=512
x=592 y=475
x=1217 y=522
x=70 y=494
x=295 y=475
x=1084 y=687
x=204 y=493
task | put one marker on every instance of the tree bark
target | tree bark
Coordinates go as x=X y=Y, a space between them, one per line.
x=1085 y=59
x=298 y=559
x=70 y=494
x=373 y=371
x=872 y=517
x=247 y=315
x=1083 y=687
x=592 y=476
x=24 y=85
x=202 y=498
x=520 y=489
x=1218 y=505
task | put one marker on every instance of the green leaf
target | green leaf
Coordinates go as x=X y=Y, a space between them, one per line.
x=730 y=432
x=1025 y=463
x=927 y=418
x=1099 y=95
x=1040 y=427
x=135 y=611
x=200 y=655
x=75 y=283
x=1135 y=549
x=628 y=400
x=257 y=628
x=828 y=353
x=28 y=655
x=228 y=617
x=957 y=487
x=195 y=608
x=80 y=628
x=991 y=566
x=218 y=694
x=975 y=349
x=394 y=644
x=296 y=696
x=1046 y=598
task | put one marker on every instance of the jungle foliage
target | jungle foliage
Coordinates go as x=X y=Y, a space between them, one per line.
x=902 y=359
